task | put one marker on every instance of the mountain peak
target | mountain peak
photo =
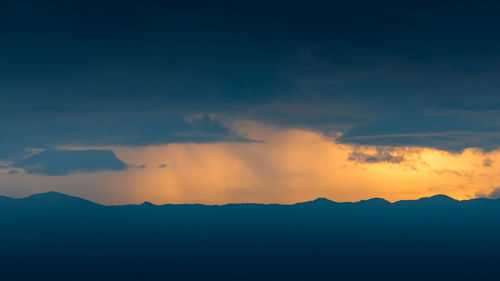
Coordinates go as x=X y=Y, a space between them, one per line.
x=375 y=201
x=50 y=195
x=439 y=197
x=321 y=201
x=147 y=204
x=54 y=198
x=435 y=200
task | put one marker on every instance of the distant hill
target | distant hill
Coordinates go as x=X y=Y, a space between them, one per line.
x=52 y=236
x=57 y=198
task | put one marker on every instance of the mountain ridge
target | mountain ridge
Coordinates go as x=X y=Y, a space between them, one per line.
x=303 y=241
x=57 y=197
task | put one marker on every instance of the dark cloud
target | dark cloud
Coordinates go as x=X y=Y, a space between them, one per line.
x=65 y=162
x=133 y=73
x=441 y=132
x=51 y=128
x=378 y=157
x=12 y=172
x=161 y=166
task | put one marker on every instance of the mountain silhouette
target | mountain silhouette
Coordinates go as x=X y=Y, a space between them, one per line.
x=53 y=236
x=375 y=202
x=147 y=204
x=57 y=198
x=436 y=199
x=317 y=202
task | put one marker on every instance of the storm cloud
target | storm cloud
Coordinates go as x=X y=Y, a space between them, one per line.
x=65 y=162
x=442 y=132
x=372 y=73
x=41 y=130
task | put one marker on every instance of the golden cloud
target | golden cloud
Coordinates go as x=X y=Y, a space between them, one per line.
x=288 y=166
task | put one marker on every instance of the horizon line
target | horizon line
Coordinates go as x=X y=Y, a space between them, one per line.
x=435 y=196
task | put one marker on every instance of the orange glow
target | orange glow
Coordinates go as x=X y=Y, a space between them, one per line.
x=290 y=165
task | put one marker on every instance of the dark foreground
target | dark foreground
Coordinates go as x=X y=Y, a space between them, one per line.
x=56 y=237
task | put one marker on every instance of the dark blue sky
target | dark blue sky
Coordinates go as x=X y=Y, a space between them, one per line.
x=138 y=73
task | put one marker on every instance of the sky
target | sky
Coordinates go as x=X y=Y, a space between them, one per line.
x=255 y=101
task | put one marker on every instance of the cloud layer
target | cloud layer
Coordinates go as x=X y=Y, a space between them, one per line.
x=130 y=78
x=65 y=162
x=449 y=133
x=45 y=129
